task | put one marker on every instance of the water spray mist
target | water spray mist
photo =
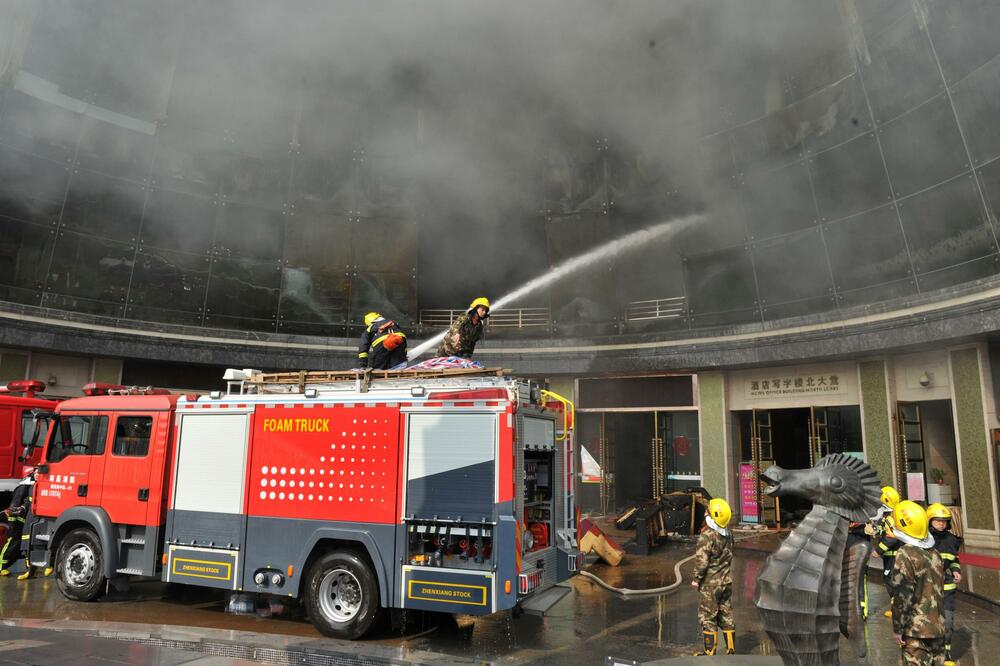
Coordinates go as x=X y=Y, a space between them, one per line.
x=624 y=244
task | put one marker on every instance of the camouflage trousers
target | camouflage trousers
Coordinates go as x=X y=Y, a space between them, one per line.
x=715 y=606
x=923 y=651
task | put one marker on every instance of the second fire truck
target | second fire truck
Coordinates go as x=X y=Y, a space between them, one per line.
x=19 y=401
x=445 y=491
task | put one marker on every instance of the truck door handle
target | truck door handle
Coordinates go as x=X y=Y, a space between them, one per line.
x=143 y=494
x=81 y=491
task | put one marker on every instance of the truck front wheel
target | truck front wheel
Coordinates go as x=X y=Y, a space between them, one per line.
x=342 y=595
x=80 y=565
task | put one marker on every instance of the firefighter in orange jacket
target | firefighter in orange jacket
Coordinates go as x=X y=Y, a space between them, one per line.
x=382 y=345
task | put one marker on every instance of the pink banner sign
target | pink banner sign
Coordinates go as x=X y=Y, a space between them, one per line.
x=915 y=487
x=748 y=495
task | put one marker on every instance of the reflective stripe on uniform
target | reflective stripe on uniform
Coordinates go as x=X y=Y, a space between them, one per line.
x=950 y=586
x=382 y=338
x=947 y=556
x=3 y=554
x=363 y=355
x=885 y=550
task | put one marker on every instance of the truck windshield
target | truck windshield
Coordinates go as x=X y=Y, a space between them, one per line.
x=77 y=435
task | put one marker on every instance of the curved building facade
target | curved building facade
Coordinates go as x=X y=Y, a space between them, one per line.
x=192 y=167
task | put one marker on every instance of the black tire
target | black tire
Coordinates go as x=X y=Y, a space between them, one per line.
x=341 y=595
x=80 y=566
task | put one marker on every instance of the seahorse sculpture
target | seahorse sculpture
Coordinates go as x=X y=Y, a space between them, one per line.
x=800 y=588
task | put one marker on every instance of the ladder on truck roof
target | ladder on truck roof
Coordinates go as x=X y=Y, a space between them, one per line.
x=361 y=380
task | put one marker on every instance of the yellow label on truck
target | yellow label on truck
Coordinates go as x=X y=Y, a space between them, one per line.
x=454 y=593
x=202 y=568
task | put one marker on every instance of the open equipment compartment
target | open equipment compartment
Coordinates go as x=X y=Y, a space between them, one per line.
x=539 y=494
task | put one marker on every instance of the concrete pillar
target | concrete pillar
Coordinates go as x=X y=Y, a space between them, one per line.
x=13 y=366
x=712 y=419
x=974 y=415
x=876 y=419
x=107 y=371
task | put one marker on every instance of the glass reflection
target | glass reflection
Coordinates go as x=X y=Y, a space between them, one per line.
x=244 y=290
x=90 y=267
x=103 y=206
x=169 y=280
x=945 y=226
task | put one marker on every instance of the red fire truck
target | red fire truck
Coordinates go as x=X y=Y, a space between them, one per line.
x=18 y=402
x=445 y=491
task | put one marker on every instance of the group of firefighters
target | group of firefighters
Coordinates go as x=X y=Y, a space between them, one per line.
x=920 y=565
x=922 y=571
x=383 y=342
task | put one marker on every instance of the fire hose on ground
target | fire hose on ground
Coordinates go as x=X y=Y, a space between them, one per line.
x=627 y=592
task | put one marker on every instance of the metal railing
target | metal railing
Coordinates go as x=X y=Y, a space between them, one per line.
x=658 y=308
x=507 y=318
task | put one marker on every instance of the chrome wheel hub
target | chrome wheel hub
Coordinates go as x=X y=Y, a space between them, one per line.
x=80 y=566
x=340 y=595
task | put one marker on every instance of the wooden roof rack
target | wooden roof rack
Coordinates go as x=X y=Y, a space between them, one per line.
x=303 y=377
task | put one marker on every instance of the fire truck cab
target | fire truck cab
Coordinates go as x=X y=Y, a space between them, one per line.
x=18 y=406
x=439 y=492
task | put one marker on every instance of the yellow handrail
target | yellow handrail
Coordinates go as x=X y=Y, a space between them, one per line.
x=569 y=412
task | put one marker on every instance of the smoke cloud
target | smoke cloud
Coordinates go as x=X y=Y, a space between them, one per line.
x=513 y=135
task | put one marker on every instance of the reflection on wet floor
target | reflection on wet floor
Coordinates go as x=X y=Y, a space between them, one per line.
x=581 y=629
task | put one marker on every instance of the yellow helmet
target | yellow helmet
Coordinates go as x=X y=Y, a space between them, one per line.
x=370 y=317
x=938 y=511
x=482 y=300
x=890 y=497
x=720 y=512
x=911 y=519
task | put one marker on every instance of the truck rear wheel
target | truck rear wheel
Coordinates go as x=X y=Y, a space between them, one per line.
x=80 y=565
x=342 y=595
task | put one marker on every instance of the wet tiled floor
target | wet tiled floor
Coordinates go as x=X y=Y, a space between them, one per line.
x=582 y=628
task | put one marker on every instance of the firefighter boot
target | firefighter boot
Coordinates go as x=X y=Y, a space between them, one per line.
x=730 y=640
x=4 y=572
x=711 y=643
x=948 y=660
x=888 y=613
x=48 y=571
x=28 y=573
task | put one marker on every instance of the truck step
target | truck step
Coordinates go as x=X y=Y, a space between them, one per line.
x=130 y=572
x=135 y=541
x=43 y=537
x=539 y=603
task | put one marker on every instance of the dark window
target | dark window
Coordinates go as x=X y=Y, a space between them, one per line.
x=610 y=393
x=132 y=435
x=78 y=435
x=27 y=427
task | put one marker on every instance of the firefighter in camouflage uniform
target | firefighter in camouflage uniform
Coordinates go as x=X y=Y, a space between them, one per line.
x=918 y=588
x=713 y=578
x=465 y=331
x=947 y=544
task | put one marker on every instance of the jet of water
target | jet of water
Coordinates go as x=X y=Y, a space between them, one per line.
x=624 y=244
